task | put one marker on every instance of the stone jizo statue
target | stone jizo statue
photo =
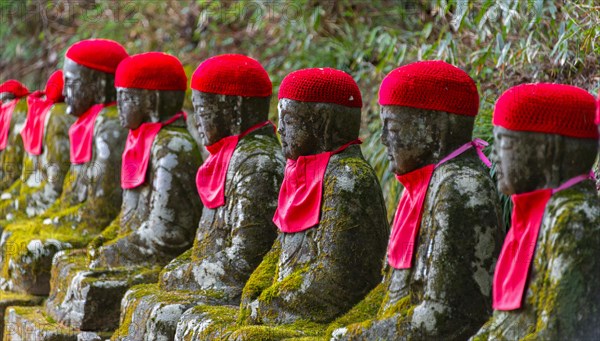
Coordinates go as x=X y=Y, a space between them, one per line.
x=160 y=211
x=546 y=281
x=13 y=111
x=448 y=216
x=330 y=214
x=89 y=200
x=46 y=154
x=238 y=185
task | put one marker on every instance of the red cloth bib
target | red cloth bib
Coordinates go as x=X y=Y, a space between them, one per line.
x=210 y=179
x=6 y=111
x=512 y=269
x=137 y=152
x=299 y=202
x=81 y=134
x=33 y=130
x=407 y=220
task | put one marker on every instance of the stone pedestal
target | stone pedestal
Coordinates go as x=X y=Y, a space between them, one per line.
x=31 y=324
x=90 y=299
x=8 y=299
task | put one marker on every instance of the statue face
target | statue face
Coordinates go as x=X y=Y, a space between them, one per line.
x=522 y=160
x=6 y=96
x=79 y=88
x=299 y=128
x=411 y=136
x=214 y=115
x=136 y=106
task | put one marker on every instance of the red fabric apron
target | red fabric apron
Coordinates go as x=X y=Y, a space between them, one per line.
x=407 y=219
x=81 y=133
x=210 y=179
x=137 y=152
x=33 y=130
x=299 y=202
x=512 y=269
x=6 y=111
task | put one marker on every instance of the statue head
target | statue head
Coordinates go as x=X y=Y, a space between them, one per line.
x=89 y=73
x=544 y=135
x=319 y=111
x=12 y=89
x=428 y=110
x=150 y=88
x=230 y=93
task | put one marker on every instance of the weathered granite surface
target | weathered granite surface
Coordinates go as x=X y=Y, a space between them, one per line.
x=562 y=299
x=11 y=158
x=89 y=202
x=309 y=278
x=231 y=241
x=157 y=222
x=42 y=175
x=447 y=292
x=158 y=219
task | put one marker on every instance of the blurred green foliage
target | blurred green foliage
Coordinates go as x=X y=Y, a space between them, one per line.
x=500 y=43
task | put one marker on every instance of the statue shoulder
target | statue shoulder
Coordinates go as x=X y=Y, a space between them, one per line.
x=349 y=171
x=110 y=112
x=58 y=119
x=258 y=152
x=464 y=177
x=177 y=143
x=574 y=208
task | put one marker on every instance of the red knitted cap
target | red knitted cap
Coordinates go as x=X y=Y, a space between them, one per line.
x=232 y=75
x=54 y=87
x=153 y=71
x=321 y=85
x=97 y=54
x=15 y=87
x=431 y=85
x=598 y=110
x=547 y=108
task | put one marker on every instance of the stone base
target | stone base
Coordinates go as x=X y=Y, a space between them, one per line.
x=87 y=299
x=149 y=313
x=8 y=299
x=31 y=324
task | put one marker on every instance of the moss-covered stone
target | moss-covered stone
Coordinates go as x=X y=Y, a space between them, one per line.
x=562 y=301
x=90 y=299
x=11 y=157
x=159 y=218
x=89 y=202
x=30 y=323
x=447 y=292
x=42 y=175
x=8 y=299
x=148 y=311
x=322 y=272
x=310 y=278
x=231 y=241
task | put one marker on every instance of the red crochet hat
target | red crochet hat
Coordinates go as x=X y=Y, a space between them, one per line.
x=431 y=85
x=54 y=87
x=153 y=71
x=547 y=108
x=15 y=87
x=233 y=75
x=321 y=85
x=598 y=110
x=97 y=54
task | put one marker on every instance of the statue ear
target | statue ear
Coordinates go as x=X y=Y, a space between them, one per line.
x=326 y=125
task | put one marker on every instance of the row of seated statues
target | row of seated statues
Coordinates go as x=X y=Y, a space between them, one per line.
x=123 y=218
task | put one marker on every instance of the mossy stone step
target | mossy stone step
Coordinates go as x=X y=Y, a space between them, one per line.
x=90 y=299
x=30 y=324
x=8 y=299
